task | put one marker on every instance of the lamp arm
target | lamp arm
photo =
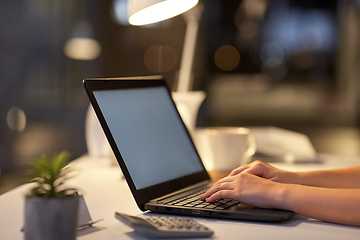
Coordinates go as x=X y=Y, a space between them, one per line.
x=192 y=19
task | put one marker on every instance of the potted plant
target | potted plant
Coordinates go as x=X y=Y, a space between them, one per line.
x=51 y=210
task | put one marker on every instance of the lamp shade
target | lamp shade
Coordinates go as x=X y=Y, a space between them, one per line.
x=144 y=12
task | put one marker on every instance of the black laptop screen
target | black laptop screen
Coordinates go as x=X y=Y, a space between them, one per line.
x=149 y=134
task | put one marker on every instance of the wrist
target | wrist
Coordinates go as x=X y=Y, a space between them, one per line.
x=299 y=178
x=282 y=196
x=290 y=177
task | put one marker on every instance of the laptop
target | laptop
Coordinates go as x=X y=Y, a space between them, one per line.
x=156 y=153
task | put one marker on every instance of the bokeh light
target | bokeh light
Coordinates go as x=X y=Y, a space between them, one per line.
x=311 y=39
x=16 y=119
x=82 y=48
x=272 y=54
x=227 y=58
x=160 y=58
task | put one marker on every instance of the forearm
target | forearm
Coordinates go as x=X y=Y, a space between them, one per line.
x=326 y=204
x=342 y=178
x=338 y=205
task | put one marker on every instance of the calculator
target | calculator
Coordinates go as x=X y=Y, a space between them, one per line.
x=161 y=227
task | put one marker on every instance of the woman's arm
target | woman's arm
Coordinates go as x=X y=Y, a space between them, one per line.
x=327 y=204
x=341 y=178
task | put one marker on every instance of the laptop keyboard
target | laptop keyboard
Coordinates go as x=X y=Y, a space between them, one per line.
x=194 y=200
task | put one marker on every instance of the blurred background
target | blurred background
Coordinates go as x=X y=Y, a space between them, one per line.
x=286 y=63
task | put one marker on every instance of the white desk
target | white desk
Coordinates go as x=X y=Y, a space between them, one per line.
x=106 y=192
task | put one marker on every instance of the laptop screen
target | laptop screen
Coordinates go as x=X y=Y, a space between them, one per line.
x=149 y=134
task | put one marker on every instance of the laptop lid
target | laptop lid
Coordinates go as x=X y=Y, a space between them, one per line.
x=146 y=133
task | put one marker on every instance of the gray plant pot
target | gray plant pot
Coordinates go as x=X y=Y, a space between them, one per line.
x=51 y=219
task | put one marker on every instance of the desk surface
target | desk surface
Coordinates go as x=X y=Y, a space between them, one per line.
x=105 y=192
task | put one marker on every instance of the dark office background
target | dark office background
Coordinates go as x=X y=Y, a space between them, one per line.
x=286 y=63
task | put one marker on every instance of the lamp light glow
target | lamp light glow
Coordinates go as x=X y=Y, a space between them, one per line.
x=16 y=119
x=152 y=11
x=82 y=48
x=82 y=45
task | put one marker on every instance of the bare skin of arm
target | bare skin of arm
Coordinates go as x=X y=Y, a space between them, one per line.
x=310 y=194
x=339 y=178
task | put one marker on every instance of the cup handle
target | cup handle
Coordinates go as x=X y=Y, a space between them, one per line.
x=250 y=151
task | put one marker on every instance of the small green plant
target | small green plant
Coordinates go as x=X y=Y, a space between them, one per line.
x=50 y=172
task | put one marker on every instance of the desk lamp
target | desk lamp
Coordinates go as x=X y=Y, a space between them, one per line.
x=143 y=12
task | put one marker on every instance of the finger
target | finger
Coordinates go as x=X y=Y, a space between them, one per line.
x=223 y=194
x=238 y=170
x=222 y=180
x=253 y=168
x=259 y=169
x=215 y=188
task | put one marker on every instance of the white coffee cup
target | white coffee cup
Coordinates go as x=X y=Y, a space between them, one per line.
x=230 y=147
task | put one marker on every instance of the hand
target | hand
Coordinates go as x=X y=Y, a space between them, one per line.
x=247 y=188
x=254 y=184
x=266 y=171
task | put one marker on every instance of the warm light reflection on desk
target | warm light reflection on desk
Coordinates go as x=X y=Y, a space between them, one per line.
x=216 y=175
